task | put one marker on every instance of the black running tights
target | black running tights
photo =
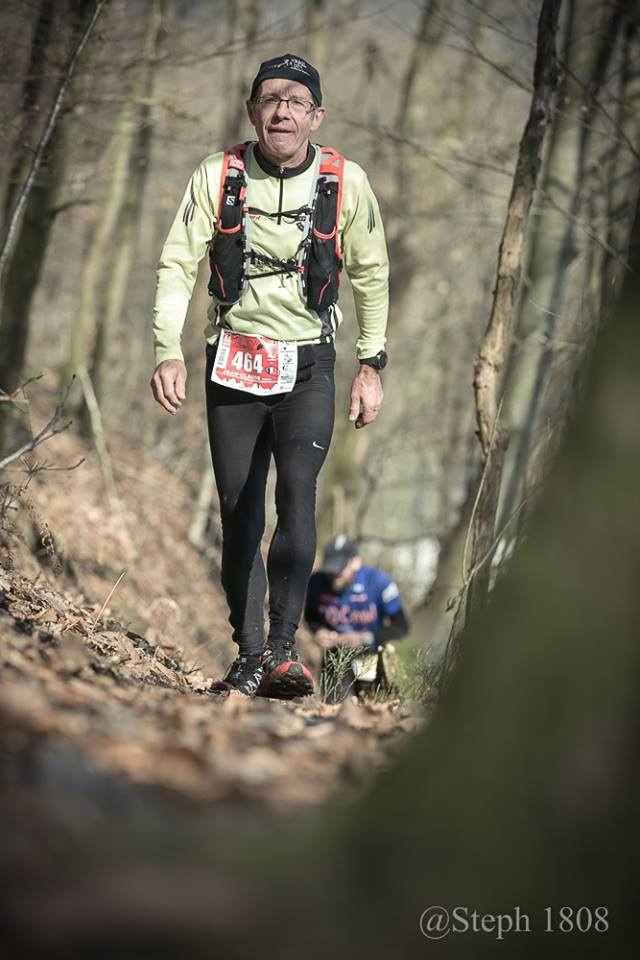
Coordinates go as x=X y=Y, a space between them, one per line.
x=244 y=431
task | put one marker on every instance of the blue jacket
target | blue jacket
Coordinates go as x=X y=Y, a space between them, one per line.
x=371 y=602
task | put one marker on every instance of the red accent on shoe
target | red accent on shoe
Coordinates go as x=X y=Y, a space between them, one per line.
x=283 y=668
x=286 y=681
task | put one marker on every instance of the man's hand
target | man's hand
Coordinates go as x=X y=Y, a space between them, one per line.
x=366 y=396
x=169 y=384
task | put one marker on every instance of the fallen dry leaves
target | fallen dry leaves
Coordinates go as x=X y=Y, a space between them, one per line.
x=129 y=707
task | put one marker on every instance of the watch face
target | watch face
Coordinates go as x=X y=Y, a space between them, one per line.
x=378 y=362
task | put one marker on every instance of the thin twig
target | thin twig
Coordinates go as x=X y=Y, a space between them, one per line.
x=581 y=225
x=600 y=106
x=485 y=471
x=20 y=389
x=467 y=578
x=104 y=605
x=45 y=434
x=45 y=467
x=481 y=562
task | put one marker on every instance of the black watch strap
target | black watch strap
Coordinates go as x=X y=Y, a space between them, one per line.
x=378 y=362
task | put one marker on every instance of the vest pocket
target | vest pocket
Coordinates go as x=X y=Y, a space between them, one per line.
x=324 y=265
x=323 y=276
x=226 y=263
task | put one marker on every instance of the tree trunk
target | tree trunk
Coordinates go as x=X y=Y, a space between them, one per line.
x=201 y=516
x=419 y=54
x=496 y=345
x=317 y=30
x=26 y=251
x=94 y=277
x=120 y=254
x=562 y=311
x=244 y=24
x=35 y=95
x=342 y=488
x=432 y=620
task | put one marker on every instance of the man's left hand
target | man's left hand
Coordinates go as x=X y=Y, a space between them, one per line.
x=366 y=396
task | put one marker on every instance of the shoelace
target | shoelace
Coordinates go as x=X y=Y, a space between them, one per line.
x=240 y=664
x=285 y=650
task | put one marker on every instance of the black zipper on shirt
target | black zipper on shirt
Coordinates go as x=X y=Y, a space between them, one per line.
x=280 y=197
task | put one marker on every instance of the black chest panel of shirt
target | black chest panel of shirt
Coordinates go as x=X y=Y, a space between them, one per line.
x=282 y=174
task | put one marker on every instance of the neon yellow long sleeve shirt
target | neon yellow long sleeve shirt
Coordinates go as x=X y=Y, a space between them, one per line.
x=272 y=306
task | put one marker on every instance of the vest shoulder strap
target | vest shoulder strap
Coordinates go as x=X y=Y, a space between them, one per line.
x=331 y=162
x=332 y=165
x=233 y=159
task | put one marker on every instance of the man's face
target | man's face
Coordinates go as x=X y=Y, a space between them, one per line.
x=282 y=135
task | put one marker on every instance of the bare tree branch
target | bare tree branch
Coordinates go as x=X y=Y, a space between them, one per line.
x=49 y=430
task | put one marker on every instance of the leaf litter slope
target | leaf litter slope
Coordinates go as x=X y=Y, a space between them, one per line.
x=129 y=708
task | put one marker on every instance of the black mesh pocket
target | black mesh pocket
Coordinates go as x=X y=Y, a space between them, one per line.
x=226 y=263
x=326 y=207
x=226 y=248
x=323 y=271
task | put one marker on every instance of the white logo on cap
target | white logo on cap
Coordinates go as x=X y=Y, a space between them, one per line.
x=293 y=63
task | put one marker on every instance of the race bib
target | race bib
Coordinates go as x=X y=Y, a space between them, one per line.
x=257 y=365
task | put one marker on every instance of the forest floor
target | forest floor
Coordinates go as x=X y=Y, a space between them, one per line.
x=135 y=709
x=112 y=673
x=120 y=771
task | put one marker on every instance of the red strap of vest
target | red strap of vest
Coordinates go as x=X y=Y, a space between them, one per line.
x=332 y=163
x=234 y=158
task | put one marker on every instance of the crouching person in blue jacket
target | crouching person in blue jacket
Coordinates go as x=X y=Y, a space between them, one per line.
x=354 y=611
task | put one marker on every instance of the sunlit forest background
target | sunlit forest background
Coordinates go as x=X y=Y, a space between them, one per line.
x=431 y=99
x=502 y=139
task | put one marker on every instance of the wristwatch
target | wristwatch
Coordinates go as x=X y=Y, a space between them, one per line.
x=378 y=362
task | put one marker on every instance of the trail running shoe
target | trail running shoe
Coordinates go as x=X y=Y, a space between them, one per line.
x=244 y=675
x=284 y=675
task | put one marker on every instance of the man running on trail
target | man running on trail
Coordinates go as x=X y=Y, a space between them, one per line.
x=354 y=610
x=279 y=216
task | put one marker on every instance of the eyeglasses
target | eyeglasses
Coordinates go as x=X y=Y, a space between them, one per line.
x=299 y=108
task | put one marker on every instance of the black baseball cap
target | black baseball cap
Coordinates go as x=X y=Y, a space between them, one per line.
x=337 y=554
x=289 y=67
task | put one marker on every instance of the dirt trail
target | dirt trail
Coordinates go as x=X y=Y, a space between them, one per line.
x=134 y=803
x=131 y=708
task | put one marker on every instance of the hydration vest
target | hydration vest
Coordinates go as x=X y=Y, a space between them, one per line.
x=318 y=260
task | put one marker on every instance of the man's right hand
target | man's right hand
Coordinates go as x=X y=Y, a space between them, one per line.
x=169 y=384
